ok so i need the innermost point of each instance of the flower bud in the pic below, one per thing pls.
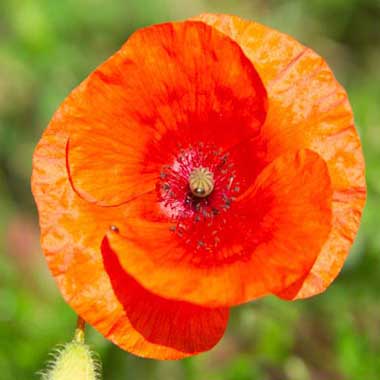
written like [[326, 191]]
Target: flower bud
[[74, 361]]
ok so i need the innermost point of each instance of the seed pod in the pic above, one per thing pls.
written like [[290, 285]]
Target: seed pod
[[201, 182]]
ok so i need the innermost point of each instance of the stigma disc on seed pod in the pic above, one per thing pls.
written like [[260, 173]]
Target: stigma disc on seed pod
[[201, 182]]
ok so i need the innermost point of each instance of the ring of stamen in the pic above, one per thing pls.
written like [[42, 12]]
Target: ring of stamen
[[201, 182]]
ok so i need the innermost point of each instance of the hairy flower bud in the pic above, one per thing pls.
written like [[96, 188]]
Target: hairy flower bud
[[74, 361]]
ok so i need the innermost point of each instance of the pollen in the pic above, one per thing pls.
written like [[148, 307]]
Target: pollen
[[201, 182]]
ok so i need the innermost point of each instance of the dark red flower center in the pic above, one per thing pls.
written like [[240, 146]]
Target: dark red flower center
[[195, 191]]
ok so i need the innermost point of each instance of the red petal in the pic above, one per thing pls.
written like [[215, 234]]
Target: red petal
[[185, 327], [156, 93], [71, 236], [308, 109], [271, 238]]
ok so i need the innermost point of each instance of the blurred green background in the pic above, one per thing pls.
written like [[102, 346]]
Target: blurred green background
[[46, 48]]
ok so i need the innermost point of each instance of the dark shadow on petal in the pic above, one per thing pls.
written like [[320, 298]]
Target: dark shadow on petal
[[291, 292]]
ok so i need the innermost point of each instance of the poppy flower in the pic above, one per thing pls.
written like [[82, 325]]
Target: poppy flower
[[205, 164]]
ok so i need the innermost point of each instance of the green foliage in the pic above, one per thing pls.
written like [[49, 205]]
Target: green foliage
[[46, 48]]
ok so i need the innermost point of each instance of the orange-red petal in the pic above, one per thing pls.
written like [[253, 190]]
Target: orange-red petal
[[308, 109], [170, 84], [182, 326], [71, 236], [271, 237]]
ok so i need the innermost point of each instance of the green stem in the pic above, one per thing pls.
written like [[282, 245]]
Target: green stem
[[80, 330]]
